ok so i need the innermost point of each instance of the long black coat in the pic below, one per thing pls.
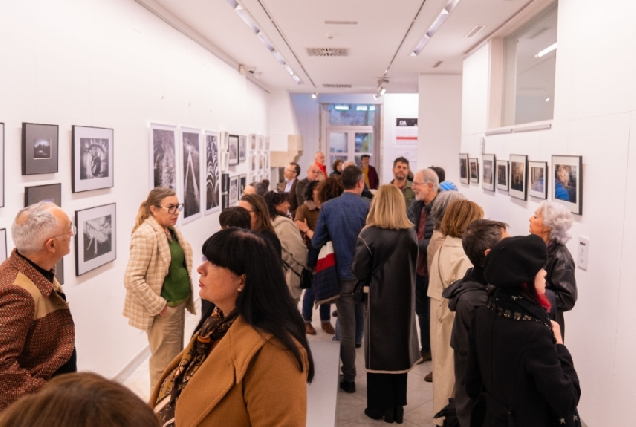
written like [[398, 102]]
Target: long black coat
[[519, 364], [560, 283], [391, 344]]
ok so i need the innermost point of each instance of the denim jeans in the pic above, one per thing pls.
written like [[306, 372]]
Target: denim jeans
[[422, 308], [347, 318], [359, 326], [308, 307]]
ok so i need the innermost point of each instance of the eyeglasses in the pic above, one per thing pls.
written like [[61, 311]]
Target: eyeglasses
[[173, 208], [71, 232]]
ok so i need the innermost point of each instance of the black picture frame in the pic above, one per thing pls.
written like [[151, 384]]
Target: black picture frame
[[190, 182], [163, 156], [518, 186], [539, 177], [473, 166], [39, 148], [233, 150], [242, 183], [464, 175], [96, 238], [503, 173], [488, 169], [93, 158], [212, 173], [567, 187]]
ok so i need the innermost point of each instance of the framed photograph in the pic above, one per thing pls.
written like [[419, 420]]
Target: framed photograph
[[538, 179], [92, 158], [568, 182], [225, 183], [191, 178], [242, 183], [474, 170], [223, 141], [95, 243], [502, 175], [42, 193], [463, 168], [254, 161], [225, 201], [234, 190], [212, 172], [39, 148], [242, 148], [488, 172], [233, 150], [3, 245], [261, 162], [267, 143], [518, 176], [252, 142], [163, 156]]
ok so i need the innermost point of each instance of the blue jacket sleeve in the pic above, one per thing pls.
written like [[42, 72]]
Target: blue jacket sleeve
[[321, 233]]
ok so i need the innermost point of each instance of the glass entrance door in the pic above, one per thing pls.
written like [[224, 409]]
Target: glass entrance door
[[350, 143]]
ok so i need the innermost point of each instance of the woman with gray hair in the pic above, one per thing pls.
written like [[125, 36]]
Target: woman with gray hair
[[440, 204], [551, 221]]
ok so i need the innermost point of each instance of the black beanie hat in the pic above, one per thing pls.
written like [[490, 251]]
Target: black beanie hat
[[515, 260]]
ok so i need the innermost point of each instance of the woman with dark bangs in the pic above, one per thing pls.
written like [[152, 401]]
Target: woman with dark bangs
[[518, 367], [252, 346]]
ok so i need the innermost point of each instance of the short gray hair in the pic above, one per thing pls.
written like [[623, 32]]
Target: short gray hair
[[38, 224], [429, 175], [441, 203], [558, 218]]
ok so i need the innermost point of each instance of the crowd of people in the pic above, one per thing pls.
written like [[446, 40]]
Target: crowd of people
[[412, 254]]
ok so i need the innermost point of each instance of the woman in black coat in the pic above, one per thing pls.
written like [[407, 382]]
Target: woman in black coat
[[386, 254], [518, 366]]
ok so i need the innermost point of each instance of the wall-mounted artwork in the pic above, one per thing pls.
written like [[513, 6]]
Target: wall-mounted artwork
[[261, 142], [39, 148], [163, 156], [234, 190], [242, 148], [502, 175], [95, 241], [191, 178], [225, 201], [538, 179], [518, 176], [267, 143], [233, 149], [3, 245], [253, 162], [92, 158], [568, 182], [261, 162], [473, 165], [252, 142], [463, 168], [212, 174], [242, 184], [488, 172]]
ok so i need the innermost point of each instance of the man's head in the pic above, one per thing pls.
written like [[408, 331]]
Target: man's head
[[364, 160], [352, 179], [441, 173], [235, 216], [425, 185], [480, 236], [400, 168], [314, 172], [320, 158], [43, 231], [292, 171]]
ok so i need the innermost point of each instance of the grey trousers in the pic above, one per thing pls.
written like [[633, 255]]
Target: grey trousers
[[347, 318], [166, 341]]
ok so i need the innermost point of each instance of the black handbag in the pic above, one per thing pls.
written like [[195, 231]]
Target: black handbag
[[306, 279]]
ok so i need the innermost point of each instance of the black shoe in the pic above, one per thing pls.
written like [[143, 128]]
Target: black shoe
[[374, 414], [399, 414], [348, 386], [358, 345], [389, 416], [334, 313]]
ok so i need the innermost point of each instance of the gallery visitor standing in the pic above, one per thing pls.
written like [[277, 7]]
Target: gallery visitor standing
[[157, 279]]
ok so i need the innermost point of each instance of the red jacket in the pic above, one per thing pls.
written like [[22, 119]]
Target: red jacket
[[374, 181]]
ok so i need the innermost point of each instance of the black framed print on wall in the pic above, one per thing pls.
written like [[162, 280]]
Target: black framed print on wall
[[39, 148], [93, 158]]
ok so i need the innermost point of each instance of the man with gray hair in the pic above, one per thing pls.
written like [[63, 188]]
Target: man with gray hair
[[425, 187], [37, 333]]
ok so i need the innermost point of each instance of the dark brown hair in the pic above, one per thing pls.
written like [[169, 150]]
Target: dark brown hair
[[80, 400], [259, 207], [274, 199], [458, 215], [235, 216], [329, 188]]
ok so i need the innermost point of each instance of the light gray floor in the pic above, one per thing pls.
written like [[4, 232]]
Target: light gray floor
[[349, 407]]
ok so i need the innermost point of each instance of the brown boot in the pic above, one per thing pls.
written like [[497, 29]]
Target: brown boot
[[309, 330], [326, 326]]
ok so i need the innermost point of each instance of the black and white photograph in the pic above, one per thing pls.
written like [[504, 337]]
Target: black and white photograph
[[92, 158], [253, 162], [39, 148], [538, 180], [568, 182], [212, 177], [252, 142], [43, 193], [1, 164], [225, 183], [163, 156], [225, 201], [266, 142], [463, 168], [261, 162], [234, 190], [261, 142], [502, 175], [488, 172], [233, 150], [3, 244], [191, 179], [474, 170], [242, 148], [242, 184], [518, 176], [95, 241]]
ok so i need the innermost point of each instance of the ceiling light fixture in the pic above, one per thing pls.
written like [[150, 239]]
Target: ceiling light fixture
[[437, 23], [546, 51], [249, 21]]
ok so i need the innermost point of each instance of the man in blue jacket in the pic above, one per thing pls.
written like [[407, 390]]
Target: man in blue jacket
[[340, 221]]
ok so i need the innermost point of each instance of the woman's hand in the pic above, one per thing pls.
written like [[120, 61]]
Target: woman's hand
[[302, 225], [556, 329], [164, 311]]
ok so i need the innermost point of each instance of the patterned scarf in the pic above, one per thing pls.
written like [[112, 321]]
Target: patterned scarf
[[213, 329]]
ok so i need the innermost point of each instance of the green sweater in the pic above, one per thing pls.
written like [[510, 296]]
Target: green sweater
[[176, 286]]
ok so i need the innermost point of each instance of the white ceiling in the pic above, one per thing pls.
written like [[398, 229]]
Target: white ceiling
[[372, 43]]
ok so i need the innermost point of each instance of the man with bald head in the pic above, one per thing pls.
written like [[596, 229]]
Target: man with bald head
[[37, 333], [313, 174], [319, 160]]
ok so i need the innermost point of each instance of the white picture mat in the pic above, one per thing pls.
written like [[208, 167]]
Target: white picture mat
[[473, 161], [154, 126], [485, 158], [577, 161], [518, 194], [181, 176], [507, 165], [546, 180], [86, 215], [462, 157], [94, 183], [204, 160]]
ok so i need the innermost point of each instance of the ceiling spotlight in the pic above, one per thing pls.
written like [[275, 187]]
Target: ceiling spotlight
[[314, 95], [375, 96], [382, 91]]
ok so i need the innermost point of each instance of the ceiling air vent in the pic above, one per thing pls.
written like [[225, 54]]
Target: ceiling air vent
[[327, 51], [337, 85]]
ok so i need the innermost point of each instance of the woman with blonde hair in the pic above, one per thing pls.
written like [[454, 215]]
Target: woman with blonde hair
[[449, 265], [385, 258], [157, 279]]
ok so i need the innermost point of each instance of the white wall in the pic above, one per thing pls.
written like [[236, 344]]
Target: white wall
[[440, 122], [595, 116], [397, 105], [282, 119], [110, 63]]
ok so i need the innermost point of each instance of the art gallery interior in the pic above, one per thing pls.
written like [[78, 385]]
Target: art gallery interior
[[127, 64]]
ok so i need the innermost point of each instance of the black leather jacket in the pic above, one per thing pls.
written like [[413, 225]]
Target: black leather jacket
[[560, 282]]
